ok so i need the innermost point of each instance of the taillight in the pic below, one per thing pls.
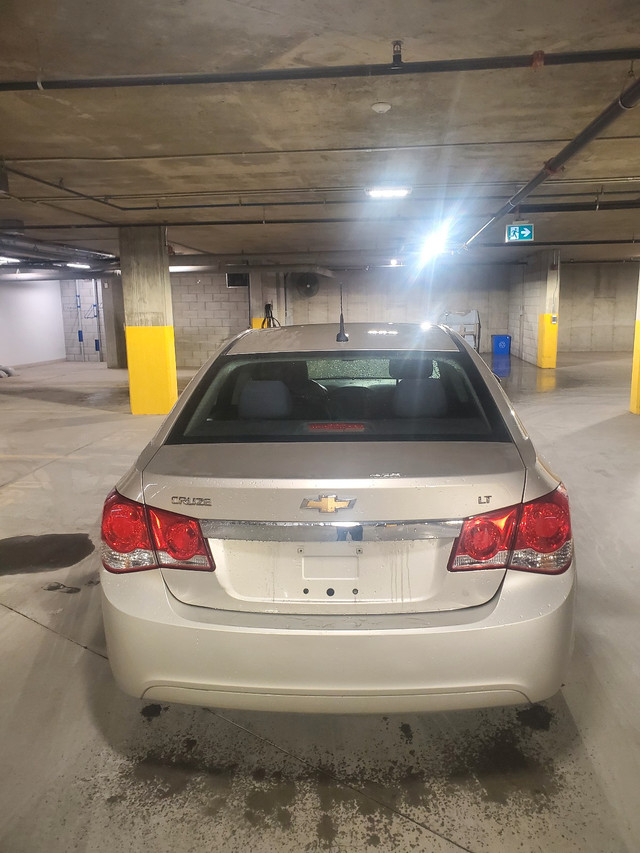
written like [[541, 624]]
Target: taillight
[[544, 542], [135, 538], [179, 541], [531, 537], [485, 541]]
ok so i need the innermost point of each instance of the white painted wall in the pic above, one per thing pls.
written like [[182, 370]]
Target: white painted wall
[[597, 307], [31, 329]]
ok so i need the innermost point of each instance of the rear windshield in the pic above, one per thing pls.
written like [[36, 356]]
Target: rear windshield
[[364, 396]]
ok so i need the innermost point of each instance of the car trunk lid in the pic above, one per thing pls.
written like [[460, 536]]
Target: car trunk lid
[[290, 532]]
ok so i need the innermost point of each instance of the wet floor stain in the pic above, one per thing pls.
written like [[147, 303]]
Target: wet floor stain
[[61, 587], [20, 554], [150, 712], [167, 773], [407, 733], [501, 763], [536, 717], [504, 765]]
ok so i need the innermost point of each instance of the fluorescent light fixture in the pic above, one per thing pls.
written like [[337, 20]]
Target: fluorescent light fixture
[[182, 269], [388, 192], [435, 244], [78, 266], [4, 260]]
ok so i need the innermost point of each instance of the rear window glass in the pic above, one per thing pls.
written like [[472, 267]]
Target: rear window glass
[[364, 396]]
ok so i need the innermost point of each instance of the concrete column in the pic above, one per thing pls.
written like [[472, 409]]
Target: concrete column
[[113, 313], [548, 319], [634, 405], [256, 304], [151, 353]]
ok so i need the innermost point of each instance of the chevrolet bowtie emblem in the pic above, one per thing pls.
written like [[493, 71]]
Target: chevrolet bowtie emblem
[[327, 503]]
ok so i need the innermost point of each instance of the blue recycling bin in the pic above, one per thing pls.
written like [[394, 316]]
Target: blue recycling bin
[[501, 344]]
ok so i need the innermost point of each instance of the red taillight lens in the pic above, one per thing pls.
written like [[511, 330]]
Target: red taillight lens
[[136, 537], [125, 535], [485, 541], [179, 541], [532, 537], [544, 542]]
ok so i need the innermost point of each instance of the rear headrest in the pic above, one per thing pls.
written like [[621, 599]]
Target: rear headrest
[[265, 399], [419, 398], [293, 373], [410, 368]]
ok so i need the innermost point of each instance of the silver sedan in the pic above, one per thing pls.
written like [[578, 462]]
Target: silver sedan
[[328, 525]]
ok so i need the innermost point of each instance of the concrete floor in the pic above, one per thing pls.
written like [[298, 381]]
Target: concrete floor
[[86, 768]]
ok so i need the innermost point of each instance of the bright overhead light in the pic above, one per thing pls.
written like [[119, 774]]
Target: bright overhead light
[[435, 244], [4, 260], [388, 192], [394, 262], [182, 269], [381, 107], [78, 266]]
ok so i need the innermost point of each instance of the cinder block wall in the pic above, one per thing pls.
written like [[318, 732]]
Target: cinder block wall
[[83, 318], [597, 307], [205, 313], [527, 299], [394, 295]]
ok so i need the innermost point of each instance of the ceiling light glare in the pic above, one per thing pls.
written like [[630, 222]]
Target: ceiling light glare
[[435, 244], [388, 192], [4, 260], [78, 266], [381, 107], [425, 326], [394, 262]]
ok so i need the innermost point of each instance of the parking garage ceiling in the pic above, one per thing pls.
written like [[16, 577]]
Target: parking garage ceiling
[[288, 111]]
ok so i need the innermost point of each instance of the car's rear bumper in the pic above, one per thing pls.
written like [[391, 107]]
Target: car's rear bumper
[[511, 650]]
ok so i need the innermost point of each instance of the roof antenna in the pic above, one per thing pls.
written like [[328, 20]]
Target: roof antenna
[[342, 337]]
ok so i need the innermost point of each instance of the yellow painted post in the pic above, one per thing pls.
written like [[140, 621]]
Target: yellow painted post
[[634, 405], [151, 353], [547, 340]]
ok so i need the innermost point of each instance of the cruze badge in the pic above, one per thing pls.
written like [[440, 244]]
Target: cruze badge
[[327, 503], [179, 499]]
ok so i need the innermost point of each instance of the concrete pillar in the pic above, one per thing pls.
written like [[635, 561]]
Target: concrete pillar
[[548, 319], [113, 313], [148, 312], [634, 405], [256, 304]]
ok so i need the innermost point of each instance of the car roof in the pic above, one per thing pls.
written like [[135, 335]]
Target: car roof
[[321, 337]]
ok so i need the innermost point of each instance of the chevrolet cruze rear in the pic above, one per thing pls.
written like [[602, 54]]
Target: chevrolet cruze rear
[[355, 526]]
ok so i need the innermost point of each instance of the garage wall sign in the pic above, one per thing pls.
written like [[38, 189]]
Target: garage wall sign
[[522, 232]]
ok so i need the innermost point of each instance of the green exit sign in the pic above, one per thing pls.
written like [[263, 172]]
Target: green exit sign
[[522, 232]]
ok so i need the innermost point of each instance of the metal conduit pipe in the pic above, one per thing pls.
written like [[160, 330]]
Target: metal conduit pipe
[[627, 101], [541, 207], [395, 68], [10, 245]]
